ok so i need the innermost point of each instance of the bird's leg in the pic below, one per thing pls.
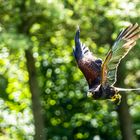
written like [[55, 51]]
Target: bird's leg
[[109, 92], [116, 98]]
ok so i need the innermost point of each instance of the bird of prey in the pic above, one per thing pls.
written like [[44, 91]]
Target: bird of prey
[[101, 75]]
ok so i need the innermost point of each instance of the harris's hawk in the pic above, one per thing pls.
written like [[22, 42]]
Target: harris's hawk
[[101, 75]]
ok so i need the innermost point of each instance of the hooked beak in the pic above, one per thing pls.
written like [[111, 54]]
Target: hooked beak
[[89, 94]]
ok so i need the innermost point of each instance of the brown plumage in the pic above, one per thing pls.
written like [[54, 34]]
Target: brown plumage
[[88, 64]]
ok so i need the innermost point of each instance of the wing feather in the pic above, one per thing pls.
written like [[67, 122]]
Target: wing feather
[[123, 44], [88, 64]]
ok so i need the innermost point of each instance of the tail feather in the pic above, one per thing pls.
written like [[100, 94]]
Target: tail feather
[[127, 89]]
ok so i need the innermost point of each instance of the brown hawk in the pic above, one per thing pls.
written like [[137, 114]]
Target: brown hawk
[[101, 75]]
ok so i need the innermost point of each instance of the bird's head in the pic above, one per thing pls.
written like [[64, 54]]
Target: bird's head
[[94, 92], [100, 93]]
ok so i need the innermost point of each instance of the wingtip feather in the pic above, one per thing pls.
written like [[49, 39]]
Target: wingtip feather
[[78, 28], [77, 35]]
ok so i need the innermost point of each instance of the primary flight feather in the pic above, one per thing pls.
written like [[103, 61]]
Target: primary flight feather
[[101, 76]]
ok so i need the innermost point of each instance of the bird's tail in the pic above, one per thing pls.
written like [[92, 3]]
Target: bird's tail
[[127, 89]]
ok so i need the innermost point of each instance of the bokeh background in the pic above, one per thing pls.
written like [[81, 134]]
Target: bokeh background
[[42, 91]]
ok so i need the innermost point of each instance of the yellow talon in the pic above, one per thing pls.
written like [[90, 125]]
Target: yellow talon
[[116, 98]]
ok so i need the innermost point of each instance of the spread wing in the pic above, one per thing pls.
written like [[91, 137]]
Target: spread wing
[[123, 44], [88, 64]]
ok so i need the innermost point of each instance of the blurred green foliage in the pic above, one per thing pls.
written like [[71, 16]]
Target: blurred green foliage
[[51, 27]]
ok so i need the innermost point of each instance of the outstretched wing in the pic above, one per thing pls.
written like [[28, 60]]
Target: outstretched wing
[[88, 64], [123, 44]]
